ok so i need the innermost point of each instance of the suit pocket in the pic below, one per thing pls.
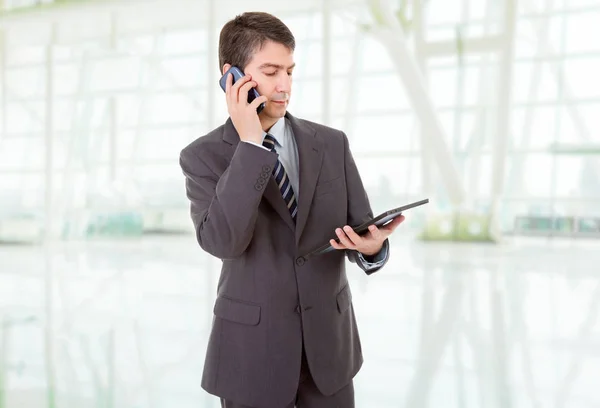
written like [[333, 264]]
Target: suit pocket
[[237, 311], [328, 186], [344, 299]]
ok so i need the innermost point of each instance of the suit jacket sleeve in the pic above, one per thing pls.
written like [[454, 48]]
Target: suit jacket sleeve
[[224, 208], [359, 211]]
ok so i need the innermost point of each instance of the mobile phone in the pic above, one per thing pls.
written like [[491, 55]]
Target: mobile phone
[[237, 74]]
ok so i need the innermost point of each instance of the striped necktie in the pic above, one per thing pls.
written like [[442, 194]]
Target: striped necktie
[[282, 180]]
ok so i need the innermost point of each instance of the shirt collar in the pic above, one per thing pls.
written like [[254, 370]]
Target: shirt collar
[[278, 131]]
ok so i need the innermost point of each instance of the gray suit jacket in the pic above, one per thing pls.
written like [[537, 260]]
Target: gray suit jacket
[[270, 297]]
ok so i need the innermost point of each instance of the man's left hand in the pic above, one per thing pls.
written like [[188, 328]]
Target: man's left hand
[[368, 244]]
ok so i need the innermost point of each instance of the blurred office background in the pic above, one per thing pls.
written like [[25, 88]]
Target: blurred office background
[[489, 108]]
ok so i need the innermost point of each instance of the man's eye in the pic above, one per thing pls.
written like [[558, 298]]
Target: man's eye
[[270, 73]]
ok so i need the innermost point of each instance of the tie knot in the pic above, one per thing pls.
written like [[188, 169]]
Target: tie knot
[[269, 142]]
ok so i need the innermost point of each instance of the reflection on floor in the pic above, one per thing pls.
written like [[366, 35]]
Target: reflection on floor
[[124, 324]]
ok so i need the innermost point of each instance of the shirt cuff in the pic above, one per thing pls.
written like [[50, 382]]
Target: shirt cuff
[[255, 144], [376, 260]]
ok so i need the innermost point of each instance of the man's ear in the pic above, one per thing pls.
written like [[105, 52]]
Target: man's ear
[[226, 68]]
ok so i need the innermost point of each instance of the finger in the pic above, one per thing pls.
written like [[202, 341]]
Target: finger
[[353, 236], [228, 85], [344, 239], [238, 84], [254, 104], [334, 244], [243, 93], [376, 232]]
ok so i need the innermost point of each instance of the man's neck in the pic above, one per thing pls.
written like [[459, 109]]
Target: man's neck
[[267, 123]]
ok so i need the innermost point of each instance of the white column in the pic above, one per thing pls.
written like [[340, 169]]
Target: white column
[[112, 112], [211, 66], [48, 137], [354, 71], [427, 161], [500, 145], [49, 226], [478, 134], [326, 61], [112, 139], [3, 82]]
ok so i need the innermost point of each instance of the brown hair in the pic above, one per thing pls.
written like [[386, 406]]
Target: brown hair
[[247, 33]]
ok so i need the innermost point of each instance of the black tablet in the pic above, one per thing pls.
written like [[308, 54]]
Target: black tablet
[[381, 220]]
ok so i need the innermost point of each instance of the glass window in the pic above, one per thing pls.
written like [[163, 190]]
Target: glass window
[[175, 73], [173, 108], [24, 117], [25, 54], [534, 127], [579, 74], [183, 42], [114, 74], [384, 133], [580, 29], [438, 12], [534, 81], [442, 86], [375, 57], [26, 82], [533, 178], [380, 92]]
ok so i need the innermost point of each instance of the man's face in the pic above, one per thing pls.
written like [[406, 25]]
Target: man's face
[[271, 68]]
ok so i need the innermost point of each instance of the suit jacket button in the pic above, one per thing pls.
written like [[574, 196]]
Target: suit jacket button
[[261, 181], [258, 186], [300, 261], [266, 169], [265, 175]]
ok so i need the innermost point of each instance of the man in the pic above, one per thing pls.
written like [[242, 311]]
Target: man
[[265, 190]]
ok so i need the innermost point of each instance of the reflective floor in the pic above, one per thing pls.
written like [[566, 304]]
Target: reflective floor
[[124, 324]]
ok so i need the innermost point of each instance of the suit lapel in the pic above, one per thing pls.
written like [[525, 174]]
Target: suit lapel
[[310, 156], [271, 194]]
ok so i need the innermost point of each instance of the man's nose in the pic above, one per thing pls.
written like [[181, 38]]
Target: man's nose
[[284, 83]]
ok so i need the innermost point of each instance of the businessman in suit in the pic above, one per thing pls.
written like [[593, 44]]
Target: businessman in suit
[[265, 190]]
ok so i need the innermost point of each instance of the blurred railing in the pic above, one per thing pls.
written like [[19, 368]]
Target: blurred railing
[[569, 226]]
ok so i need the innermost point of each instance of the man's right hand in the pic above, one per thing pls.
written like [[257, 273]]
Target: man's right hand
[[243, 114]]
